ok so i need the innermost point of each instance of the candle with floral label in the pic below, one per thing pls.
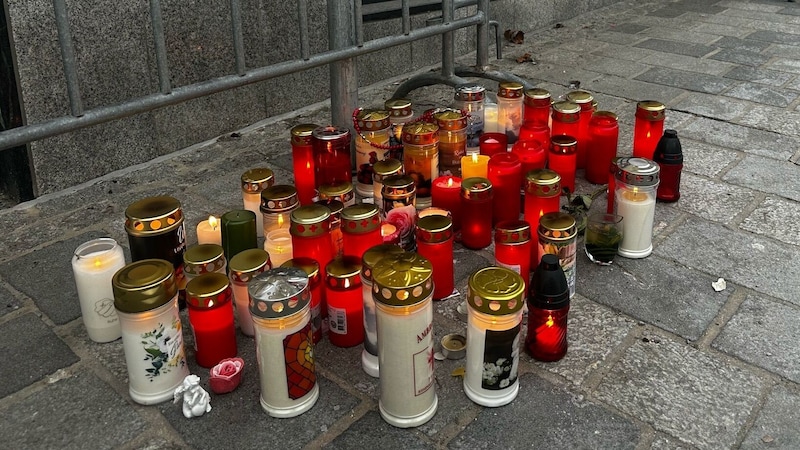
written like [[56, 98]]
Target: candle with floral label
[[253, 182], [399, 198], [243, 268], [94, 263]]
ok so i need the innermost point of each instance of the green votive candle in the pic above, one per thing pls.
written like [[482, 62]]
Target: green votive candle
[[238, 232]]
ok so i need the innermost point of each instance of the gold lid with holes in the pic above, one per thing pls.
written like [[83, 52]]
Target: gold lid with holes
[[144, 285], [557, 226], [434, 229], [496, 291], [543, 183], [398, 107], [153, 215], [420, 133], [278, 198], [372, 120], [373, 255], [279, 293], [256, 180], [207, 291], [510, 89], [651, 110], [563, 144], [247, 264], [566, 111], [402, 279], [581, 98], [450, 119], [202, 258], [512, 232]]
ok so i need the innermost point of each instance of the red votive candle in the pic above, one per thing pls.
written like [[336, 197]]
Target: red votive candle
[[566, 119], [476, 212], [491, 143], [208, 297], [331, 147], [512, 247], [303, 162], [311, 268], [603, 140], [532, 155], [435, 242], [345, 303], [311, 236], [446, 194], [536, 108], [586, 101], [562, 159], [505, 174], [361, 229], [648, 127], [542, 195], [548, 307]]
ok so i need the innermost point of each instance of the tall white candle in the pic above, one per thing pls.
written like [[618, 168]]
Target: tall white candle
[[637, 208], [279, 246], [209, 231], [93, 265], [490, 118]]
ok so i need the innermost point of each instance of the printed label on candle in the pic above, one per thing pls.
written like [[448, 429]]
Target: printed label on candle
[[163, 349], [337, 320], [423, 370], [301, 376], [500, 358]]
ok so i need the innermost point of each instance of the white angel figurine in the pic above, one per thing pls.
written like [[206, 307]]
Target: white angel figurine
[[196, 400]]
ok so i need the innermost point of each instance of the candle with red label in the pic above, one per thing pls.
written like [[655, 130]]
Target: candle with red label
[[512, 247], [361, 229], [505, 174], [548, 307], [474, 165], [491, 143], [303, 162], [208, 297], [532, 155], [542, 195], [345, 303], [435, 242], [603, 138], [586, 102], [476, 213], [447, 195], [648, 127], [562, 159]]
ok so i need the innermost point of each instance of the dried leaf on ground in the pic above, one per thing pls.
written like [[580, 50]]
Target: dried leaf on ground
[[514, 36], [524, 58]]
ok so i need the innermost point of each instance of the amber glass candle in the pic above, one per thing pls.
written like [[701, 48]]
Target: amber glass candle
[[566, 118], [303, 162], [211, 316], [512, 247], [331, 146], [562, 159], [505, 174], [648, 127], [542, 195], [603, 139], [536, 107], [435, 242], [421, 158], [311, 237], [345, 304], [586, 102], [476, 213], [452, 141], [361, 229], [447, 195]]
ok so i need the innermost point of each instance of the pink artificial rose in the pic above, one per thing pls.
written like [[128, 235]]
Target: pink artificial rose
[[226, 376], [403, 218]]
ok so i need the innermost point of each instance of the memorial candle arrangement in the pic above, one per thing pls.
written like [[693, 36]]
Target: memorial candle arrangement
[[238, 232], [209, 232], [542, 196], [331, 146], [303, 162], [421, 158], [344, 300], [211, 317], [446, 194], [317, 290], [94, 264], [585, 101], [435, 243], [470, 99], [558, 233], [369, 356], [648, 127], [243, 268], [505, 174], [635, 200], [372, 145], [476, 213], [562, 159], [509, 109], [311, 237], [277, 202], [602, 149], [361, 229], [253, 182], [548, 307]]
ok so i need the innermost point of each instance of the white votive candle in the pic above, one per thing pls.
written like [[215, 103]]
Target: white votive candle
[[209, 231], [637, 209], [279, 246], [93, 265]]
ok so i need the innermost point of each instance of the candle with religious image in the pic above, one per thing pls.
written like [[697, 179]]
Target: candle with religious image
[[399, 199], [509, 109], [243, 268], [253, 182], [94, 263], [303, 162], [372, 145], [401, 112], [435, 242], [558, 235], [470, 99], [208, 297], [635, 200], [421, 158], [548, 307]]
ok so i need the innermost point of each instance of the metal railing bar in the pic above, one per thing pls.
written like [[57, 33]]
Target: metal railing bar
[[302, 14], [482, 50], [406, 5], [358, 22], [68, 57], [448, 43], [238, 40], [53, 127], [160, 46]]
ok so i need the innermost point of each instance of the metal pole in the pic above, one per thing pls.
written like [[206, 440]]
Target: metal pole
[[482, 58], [344, 79], [448, 45], [161, 47], [68, 57], [238, 40]]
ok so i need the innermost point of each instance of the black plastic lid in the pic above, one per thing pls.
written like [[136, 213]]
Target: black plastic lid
[[668, 149], [548, 288]]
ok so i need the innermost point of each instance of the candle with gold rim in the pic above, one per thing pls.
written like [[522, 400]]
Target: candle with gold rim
[[361, 229], [585, 101], [509, 109], [243, 268], [311, 237], [476, 213], [648, 127], [557, 235], [303, 162], [435, 242], [253, 182], [277, 202], [542, 195], [208, 297], [372, 145], [345, 304], [421, 158], [446, 194]]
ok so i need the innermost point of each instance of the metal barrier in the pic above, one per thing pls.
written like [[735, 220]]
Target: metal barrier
[[346, 42]]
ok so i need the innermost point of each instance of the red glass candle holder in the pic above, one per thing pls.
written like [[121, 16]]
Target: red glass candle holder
[[548, 307], [505, 174], [208, 297], [648, 127], [512, 247], [603, 138], [586, 102], [562, 159], [361, 229], [332, 163], [532, 155], [303, 162], [311, 268], [435, 242], [311, 236], [491, 143], [345, 304], [446, 194], [542, 195], [476, 213], [566, 117], [536, 108], [536, 132]]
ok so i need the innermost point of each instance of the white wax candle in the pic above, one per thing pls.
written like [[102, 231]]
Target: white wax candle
[[490, 118], [93, 265], [275, 221], [499, 373], [279, 246], [209, 231], [637, 209], [252, 202]]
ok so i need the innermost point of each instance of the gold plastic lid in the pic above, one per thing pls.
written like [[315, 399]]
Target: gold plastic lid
[[537, 97], [476, 188], [450, 120], [310, 221], [510, 89], [279, 293], [566, 111], [278, 198], [207, 291], [397, 186], [496, 291], [512, 232], [373, 119], [543, 183], [557, 226], [604, 116], [203, 258], [301, 134], [398, 107], [386, 167], [420, 133], [256, 180], [470, 92], [582, 98], [247, 264], [402, 279], [651, 110], [334, 205], [373, 255], [144, 285], [563, 144], [360, 218], [335, 190], [153, 215], [330, 133], [343, 272], [307, 265], [434, 229]]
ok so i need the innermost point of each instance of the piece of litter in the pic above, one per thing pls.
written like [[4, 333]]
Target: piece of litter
[[719, 285], [439, 356], [458, 372]]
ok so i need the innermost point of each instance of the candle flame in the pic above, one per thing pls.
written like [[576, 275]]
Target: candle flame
[[549, 321], [280, 220], [449, 181], [475, 158], [213, 222], [308, 165], [387, 229], [97, 262]]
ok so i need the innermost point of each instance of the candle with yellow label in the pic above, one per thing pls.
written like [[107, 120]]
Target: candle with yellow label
[[209, 232], [474, 165]]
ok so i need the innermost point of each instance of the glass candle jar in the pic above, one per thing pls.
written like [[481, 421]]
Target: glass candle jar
[[509, 109], [254, 181], [612, 177], [469, 98], [303, 162], [490, 117], [494, 321], [243, 268], [369, 356], [372, 145], [277, 202], [311, 234], [332, 163], [532, 155], [337, 237], [548, 307], [602, 148], [381, 170], [635, 200], [586, 102], [565, 119], [558, 234], [211, 317], [146, 300], [512, 247], [562, 159], [421, 158], [361, 229], [446, 194], [648, 127], [536, 108], [403, 291], [94, 263], [238, 232], [492, 142], [669, 157], [203, 258], [452, 141], [536, 132], [505, 174], [278, 243], [542, 196], [476, 213], [344, 298], [399, 198], [279, 305], [311, 268], [342, 192], [401, 112], [435, 243]]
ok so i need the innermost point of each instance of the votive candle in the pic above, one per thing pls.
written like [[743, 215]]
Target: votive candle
[[474, 165], [476, 213], [209, 231], [253, 182], [435, 242], [505, 174], [648, 127], [94, 264], [562, 159], [446, 194]]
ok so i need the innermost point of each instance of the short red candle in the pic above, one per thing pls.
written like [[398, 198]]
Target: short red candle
[[505, 174], [532, 154], [562, 159], [648, 128], [547, 333], [491, 143], [345, 302], [311, 236], [476, 213], [536, 108], [361, 229], [331, 146], [446, 194], [542, 195], [512, 247], [303, 162], [603, 139], [311, 268], [566, 118], [435, 242], [208, 298], [586, 102]]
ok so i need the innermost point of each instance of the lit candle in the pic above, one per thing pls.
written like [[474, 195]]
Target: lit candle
[[435, 242], [277, 202], [279, 246], [512, 247], [536, 108], [475, 165], [390, 234], [542, 195], [209, 232], [344, 301], [211, 316], [532, 155], [490, 118], [603, 139], [505, 174], [93, 265], [586, 102], [253, 182], [447, 195], [476, 213], [509, 109], [361, 229], [491, 143], [548, 307], [303, 162], [243, 268], [648, 128], [563, 159], [635, 200], [311, 268]]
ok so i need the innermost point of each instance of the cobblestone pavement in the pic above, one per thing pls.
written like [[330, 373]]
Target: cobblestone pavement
[[657, 358]]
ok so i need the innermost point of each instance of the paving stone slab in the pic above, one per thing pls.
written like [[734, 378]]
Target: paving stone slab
[[681, 391], [705, 159], [629, 28], [774, 36], [79, 412], [712, 106], [614, 37], [738, 137], [739, 56], [682, 34], [712, 200], [634, 89], [776, 424], [784, 65], [9, 302], [546, 416], [788, 51], [371, 431], [746, 6], [774, 119], [624, 52], [680, 48], [687, 63], [732, 21], [669, 12], [719, 29], [756, 262], [691, 81], [614, 66], [768, 175], [777, 218], [737, 43], [29, 351], [763, 332], [758, 75]]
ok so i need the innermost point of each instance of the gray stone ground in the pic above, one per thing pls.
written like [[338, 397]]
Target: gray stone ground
[[657, 358]]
